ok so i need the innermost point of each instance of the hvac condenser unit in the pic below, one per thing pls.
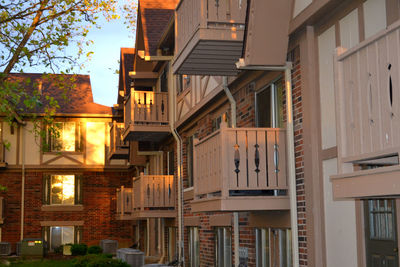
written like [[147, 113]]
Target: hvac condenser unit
[[134, 257], [5, 248], [109, 246]]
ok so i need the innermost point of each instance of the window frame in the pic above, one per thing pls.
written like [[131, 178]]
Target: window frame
[[190, 160], [77, 234], [274, 104], [48, 140], [194, 246], [266, 245], [226, 234], [78, 190]]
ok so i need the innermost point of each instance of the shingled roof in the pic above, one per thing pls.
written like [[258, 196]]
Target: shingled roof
[[72, 92], [155, 15]]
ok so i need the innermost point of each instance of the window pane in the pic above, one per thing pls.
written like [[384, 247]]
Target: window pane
[[55, 237], [63, 189], [68, 234], [263, 108], [68, 137]]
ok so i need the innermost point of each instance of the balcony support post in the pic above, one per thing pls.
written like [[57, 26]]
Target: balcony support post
[[235, 214]]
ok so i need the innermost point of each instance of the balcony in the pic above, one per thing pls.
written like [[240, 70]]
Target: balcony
[[209, 36], [152, 196], [367, 85], [146, 116], [241, 169], [3, 163], [118, 148]]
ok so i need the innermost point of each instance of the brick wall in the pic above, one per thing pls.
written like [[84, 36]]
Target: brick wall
[[99, 201]]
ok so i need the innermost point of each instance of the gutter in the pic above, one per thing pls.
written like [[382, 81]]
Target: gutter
[[23, 179], [289, 149]]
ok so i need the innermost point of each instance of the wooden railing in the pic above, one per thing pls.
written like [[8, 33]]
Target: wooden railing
[[116, 138], [194, 14], [146, 108], [124, 201], [152, 192], [240, 161], [367, 85]]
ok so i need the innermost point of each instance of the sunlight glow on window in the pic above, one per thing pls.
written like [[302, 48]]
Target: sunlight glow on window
[[63, 189]]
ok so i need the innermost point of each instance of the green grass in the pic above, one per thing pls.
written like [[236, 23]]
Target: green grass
[[40, 263]]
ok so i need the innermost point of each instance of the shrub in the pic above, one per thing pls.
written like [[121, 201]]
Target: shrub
[[58, 250], [94, 250], [78, 249], [93, 260]]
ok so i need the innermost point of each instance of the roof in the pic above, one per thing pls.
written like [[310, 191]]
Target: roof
[[73, 92], [155, 15], [127, 56]]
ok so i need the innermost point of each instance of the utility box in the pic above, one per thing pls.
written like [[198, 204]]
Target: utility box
[[134, 257], [109, 246], [32, 247]]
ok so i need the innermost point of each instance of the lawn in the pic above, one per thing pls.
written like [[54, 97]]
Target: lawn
[[40, 263]]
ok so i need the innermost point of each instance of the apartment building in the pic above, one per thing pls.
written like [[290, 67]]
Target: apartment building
[[282, 122], [61, 186]]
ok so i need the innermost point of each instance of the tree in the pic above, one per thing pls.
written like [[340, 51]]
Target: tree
[[36, 33]]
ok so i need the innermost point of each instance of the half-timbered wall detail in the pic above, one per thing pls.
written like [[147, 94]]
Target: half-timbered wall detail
[[200, 90]]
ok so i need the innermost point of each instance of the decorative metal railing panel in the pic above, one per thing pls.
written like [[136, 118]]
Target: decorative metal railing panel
[[368, 97], [240, 161], [153, 192], [146, 108]]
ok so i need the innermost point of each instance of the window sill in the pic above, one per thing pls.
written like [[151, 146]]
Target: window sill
[[62, 208], [63, 153]]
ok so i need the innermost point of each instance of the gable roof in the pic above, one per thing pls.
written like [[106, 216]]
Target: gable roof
[[155, 16], [72, 92]]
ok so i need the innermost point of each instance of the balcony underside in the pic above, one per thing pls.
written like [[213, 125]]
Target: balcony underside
[[210, 52], [380, 182], [144, 214], [120, 153], [146, 132], [241, 204]]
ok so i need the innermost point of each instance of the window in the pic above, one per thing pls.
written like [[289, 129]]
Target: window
[[183, 82], [273, 247], [269, 105], [62, 190], [164, 80], [223, 246], [64, 136], [189, 160], [194, 247], [61, 235]]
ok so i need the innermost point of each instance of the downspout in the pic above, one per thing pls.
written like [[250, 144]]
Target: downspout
[[289, 151], [23, 182], [235, 214], [178, 139]]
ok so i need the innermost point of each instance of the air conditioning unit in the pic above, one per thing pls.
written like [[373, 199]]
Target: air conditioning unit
[[134, 257], [109, 246], [5, 248]]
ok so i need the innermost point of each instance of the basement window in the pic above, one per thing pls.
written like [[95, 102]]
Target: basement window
[[273, 247], [223, 246]]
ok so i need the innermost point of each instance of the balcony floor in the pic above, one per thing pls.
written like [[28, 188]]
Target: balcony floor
[[121, 153], [146, 132], [208, 57], [144, 214], [241, 204]]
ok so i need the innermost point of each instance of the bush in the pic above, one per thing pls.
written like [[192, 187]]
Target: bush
[[93, 260], [94, 250], [78, 249], [58, 250]]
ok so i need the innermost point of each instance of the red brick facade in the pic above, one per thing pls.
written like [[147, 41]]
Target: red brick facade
[[98, 215]]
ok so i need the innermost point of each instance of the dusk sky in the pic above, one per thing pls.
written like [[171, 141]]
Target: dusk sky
[[104, 62]]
